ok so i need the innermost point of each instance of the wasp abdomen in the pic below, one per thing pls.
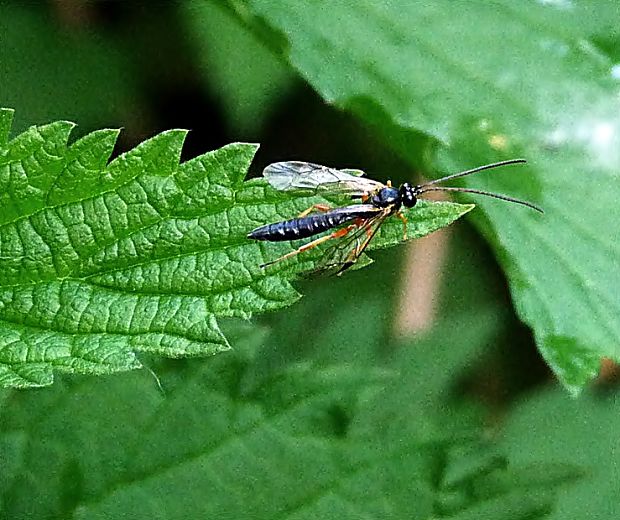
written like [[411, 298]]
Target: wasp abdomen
[[302, 227]]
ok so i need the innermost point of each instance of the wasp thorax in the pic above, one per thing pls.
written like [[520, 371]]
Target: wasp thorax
[[408, 195], [385, 197]]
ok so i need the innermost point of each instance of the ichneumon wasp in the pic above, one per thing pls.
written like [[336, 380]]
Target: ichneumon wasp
[[363, 220]]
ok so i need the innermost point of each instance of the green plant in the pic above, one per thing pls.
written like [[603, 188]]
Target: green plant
[[100, 260], [327, 407], [475, 108]]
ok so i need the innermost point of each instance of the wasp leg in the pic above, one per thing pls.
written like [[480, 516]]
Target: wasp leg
[[317, 207], [361, 224], [404, 219], [336, 234], [359, 246]]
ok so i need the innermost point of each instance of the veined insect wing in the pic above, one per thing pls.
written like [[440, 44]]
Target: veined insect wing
[[302, 176], [353, 171]]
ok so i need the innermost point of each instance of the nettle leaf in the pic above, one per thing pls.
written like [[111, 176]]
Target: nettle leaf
[[489, 81], [552, 426], [301, 442], [100, 260]]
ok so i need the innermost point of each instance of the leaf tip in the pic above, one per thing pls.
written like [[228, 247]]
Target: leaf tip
[[466, 208], [573, 364]]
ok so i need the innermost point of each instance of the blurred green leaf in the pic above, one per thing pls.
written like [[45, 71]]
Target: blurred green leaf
[[417, 433], [247, 90], [551, 426], [99, 260], [491, 81], [302, 442], [49, 71], [12, 454], [421, 410]]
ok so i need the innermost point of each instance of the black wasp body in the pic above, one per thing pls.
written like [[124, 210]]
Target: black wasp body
[[358, 222], [387, 198], [310, 225]]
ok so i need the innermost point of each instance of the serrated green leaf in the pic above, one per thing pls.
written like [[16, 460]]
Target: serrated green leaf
[[98, 261], [488, 81]]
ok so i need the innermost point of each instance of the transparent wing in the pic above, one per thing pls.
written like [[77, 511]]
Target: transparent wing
[[342, 255], [297, 175]]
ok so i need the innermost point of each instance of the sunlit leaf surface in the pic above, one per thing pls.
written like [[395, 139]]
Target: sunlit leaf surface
[[98, 260]]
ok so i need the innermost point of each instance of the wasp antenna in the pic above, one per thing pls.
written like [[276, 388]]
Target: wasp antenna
[[474, 170], [481, 192]]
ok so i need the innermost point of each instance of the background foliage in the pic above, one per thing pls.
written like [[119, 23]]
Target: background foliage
[[339, 406]]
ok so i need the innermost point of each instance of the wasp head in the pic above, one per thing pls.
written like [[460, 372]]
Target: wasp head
[[408, 195]]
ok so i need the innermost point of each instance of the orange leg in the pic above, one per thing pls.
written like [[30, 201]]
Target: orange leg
[[359, 246], [404, 219], [336, 234], [317, 207]]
